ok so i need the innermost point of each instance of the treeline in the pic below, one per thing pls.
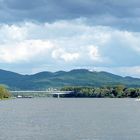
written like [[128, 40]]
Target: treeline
[[4, 93], [118, 91]]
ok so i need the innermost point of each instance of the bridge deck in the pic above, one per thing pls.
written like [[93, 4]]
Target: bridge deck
[[47, 92]]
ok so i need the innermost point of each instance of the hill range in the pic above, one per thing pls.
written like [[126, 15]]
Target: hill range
[[76, 77]]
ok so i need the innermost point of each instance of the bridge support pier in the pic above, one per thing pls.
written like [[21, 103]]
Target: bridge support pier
[[58, 95]]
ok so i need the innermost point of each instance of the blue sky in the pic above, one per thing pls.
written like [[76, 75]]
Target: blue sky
[[52, 35]]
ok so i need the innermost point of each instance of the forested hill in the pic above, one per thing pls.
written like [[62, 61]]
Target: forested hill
[[77, 77]]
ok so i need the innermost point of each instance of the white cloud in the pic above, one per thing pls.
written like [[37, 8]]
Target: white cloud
[[131, 71], [60, 54], [94, 53], [12, 33], [24, 51], [69, 44]]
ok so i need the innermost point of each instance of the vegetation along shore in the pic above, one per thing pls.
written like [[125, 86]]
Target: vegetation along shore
[[118, 91]]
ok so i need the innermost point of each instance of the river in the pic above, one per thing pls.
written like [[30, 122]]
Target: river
[[69, 119]]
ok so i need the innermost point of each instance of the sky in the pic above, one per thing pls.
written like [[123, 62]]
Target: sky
[[53, 35]]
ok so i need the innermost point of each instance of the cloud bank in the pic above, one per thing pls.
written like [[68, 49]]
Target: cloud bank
[[53, 35], [68, 44], [119, 14]]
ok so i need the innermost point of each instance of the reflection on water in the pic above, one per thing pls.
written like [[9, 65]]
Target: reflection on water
[[69, 119]]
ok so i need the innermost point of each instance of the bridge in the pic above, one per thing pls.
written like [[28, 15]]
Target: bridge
[[34, 92]]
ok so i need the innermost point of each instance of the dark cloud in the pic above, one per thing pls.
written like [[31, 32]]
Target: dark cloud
[[115, 13], [21, 5]]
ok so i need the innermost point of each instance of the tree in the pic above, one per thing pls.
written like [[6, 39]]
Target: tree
[[132, 92], [4, 93], [119, 91]]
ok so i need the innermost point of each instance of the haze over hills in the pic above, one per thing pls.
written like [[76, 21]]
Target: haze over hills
[[76, 77]]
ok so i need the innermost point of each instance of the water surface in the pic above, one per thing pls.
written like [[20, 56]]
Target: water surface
[[69, 119]]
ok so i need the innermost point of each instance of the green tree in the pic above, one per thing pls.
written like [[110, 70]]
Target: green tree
[[132, 92], [119, 91], [4, 93]]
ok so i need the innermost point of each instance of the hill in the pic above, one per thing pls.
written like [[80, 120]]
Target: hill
[[76, 77]]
